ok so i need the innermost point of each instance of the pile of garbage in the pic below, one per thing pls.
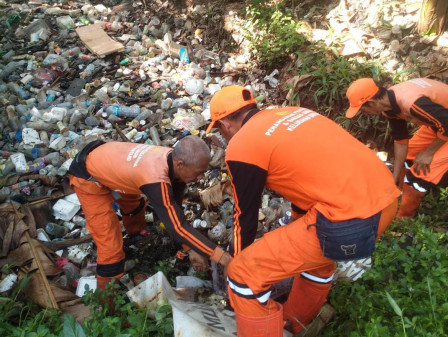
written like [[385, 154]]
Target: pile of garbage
[[385, 31], [75, 72]]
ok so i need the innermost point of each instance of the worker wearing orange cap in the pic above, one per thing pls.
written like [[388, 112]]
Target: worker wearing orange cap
[[346, 195], [421, 161], [104, 172]]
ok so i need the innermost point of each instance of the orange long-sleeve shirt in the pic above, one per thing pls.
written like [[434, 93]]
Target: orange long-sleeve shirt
[[309, 160], [144, 169]]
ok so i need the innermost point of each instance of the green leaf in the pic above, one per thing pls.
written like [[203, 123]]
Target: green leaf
[[394, 305], [72, 328]]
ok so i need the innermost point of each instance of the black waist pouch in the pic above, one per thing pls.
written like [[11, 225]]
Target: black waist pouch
[[78, 165], [347, 240]]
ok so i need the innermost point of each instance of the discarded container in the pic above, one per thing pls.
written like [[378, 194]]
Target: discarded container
[[88, 282], [19, 161], [55, 230], [123, 111], [65, 210], [8, 282]]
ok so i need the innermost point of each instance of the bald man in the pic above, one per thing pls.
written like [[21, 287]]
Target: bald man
[[104, 172]]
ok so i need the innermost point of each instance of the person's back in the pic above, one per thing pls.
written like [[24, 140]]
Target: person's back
[[313, 162], [128, 166], [407, 93]]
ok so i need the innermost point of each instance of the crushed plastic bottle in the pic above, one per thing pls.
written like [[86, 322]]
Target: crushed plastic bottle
[[123, 111]]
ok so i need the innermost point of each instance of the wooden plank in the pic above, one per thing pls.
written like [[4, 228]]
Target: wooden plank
[[97, 41]]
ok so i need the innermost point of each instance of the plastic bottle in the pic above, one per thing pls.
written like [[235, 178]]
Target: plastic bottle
[[35, 152], [143, 115], [113, 26], [40, 125], [6, 167], [36, 167], [51, 158], [71, 52], [8, 55], [75, 117], [55, 230], [91, 121], [11, 67], [131, 134], [13, 120], [154, 136], [62, 127], [53, 11], [23, 94], [4, 193], [88, 71], [43, 135], [142, 74], [123, 111], [5, 154], [72, 273], [166, 103]]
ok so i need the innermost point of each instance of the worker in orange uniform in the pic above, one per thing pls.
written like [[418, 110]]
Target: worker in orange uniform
[[104, 172], [346, 195], [421, 161]]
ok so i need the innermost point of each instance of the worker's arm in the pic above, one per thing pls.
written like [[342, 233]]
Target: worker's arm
[[436, 116], [247, 183], [400, 134], [161, 197], [400, 152]]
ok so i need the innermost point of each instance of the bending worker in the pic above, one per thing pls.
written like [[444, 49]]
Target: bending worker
[[104, 172], [422, 161], [346, 195]]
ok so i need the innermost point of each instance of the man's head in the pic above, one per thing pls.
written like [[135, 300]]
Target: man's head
[[365, 95], [228, 108], [190, 158]]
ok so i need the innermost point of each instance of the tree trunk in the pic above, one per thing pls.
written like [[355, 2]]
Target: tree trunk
[[433, 16]]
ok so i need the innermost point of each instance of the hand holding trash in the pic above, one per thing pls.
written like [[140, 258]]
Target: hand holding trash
[[199, 262]]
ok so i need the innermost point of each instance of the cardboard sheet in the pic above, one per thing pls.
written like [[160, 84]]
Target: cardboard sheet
[[97, 41]]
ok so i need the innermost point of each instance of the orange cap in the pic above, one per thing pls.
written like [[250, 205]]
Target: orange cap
[[227, 101], [358, 93]]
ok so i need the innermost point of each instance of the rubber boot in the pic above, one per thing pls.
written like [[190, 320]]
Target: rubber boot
[[304, 302], [107, 299], [410, 201], [268, 326], [321, 320]]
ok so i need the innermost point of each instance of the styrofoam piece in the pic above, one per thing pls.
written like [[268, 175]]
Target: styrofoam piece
[[73, 198], [89, 281], [149, 292], [8, 282], [30, 136], [65, 210], [190, 318]]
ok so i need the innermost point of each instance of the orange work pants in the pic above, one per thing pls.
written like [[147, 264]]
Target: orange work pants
[[289, 251], [102, 222], [439, 165]]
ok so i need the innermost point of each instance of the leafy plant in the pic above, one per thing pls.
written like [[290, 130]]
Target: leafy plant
[[410, 264], [272, 32], [112, 316]]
